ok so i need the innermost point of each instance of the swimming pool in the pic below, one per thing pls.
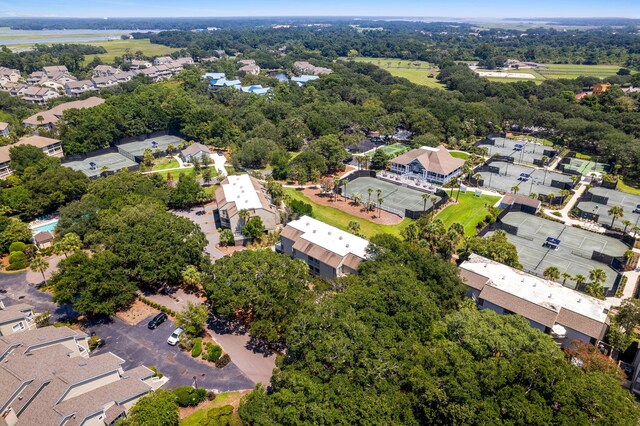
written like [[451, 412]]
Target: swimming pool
[[47, 227]]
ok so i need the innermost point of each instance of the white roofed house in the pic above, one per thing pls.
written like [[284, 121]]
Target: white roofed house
[[104, 71], [435, 165], [243, 192], [565, 314], [77, 88], [330, 252], [9, 75], [161, 60], [251, 69], [138, 64], [39, 95], [103, 82], [55, 69], [35, 77]]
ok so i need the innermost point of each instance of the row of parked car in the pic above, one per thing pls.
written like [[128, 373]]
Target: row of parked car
[[159, 319]]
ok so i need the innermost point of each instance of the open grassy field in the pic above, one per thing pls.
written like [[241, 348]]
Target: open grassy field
[[557, 71], [469, 211], [415, 71], [119, 47], [340, 219], [627, 188], [165, 163], [460, 154]]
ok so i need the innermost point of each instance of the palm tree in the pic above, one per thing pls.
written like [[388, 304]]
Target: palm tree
[[434, 200], [191, 276], [370, 190], [477, 178], [574, 179], [515, 189], [244, 215], [551, 273], [550, 197], [533, 195], [597, 276], [344, 188], [545, 160], [579, 279], [635, 230], [356, 198], [565, 193], [378, 192], [336, 187], [380, 206], [616, 212], [425, 198], [565, 277], [39, 264], [626, 223], [353, 227]]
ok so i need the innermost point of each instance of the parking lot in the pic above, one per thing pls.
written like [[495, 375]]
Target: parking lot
[[136, 344]]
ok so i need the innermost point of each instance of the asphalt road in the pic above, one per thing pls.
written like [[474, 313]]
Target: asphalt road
[[137, 345], [16, 289]]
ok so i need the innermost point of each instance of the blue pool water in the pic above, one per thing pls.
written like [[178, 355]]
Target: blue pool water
[[49, 227]]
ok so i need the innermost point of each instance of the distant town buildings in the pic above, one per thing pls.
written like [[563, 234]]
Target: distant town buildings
[[308, 68]]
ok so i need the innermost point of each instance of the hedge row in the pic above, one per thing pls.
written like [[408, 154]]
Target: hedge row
[[196, 350], [158, 306]]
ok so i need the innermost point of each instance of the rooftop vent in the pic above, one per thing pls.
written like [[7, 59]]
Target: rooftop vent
[[314, 231], [579, 300], [329, 232], [347, 246], [550, 295], [340, 237]]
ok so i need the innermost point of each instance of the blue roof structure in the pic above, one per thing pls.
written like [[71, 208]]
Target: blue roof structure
[[553, 241], [214, 75], [256, 88], [304, 79]]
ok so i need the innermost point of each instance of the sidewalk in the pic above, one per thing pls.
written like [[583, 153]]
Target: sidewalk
[[564, 212]]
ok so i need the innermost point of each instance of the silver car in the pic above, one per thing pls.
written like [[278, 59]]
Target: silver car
[[175, 336]]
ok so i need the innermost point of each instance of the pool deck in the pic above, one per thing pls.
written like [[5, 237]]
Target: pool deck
[[39, 223]]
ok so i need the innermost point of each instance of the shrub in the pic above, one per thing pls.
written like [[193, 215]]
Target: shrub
[[17, 260], [93, 342], [185, 342], [17, 246], [223, 361], [211, 395], [213, 352], [187, 396], [225, 410], [196, 351], [30, 250], [156, 373]]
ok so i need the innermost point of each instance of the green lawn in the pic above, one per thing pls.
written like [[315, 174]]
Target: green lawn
[[573, 71], [165, 163], [415, 71], [119, 47], [627, 188], [340, 219], [392, 150], [462, 155], [469, 211], [198, 417]]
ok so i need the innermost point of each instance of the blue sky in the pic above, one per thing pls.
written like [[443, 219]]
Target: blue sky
[[404, 8]]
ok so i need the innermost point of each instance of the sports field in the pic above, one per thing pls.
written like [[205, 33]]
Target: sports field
[[572, 256], [558, 71], [585, 167], [415, 71], [392, 150], [395, 198], [120, 47]]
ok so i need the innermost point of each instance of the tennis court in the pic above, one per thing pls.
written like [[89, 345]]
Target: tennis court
[[603, 199], [527, 179], [392, 150], [573, 255], [585, 167], [395, 198], [94, 166], [135, 150], [522, 151]]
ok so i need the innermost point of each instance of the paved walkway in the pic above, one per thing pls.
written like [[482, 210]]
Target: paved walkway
[[36, 277], [564, 212], [207, 225], [17, 289], [219, 162]]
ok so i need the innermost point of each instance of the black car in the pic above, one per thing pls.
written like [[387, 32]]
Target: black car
[[157, 320]]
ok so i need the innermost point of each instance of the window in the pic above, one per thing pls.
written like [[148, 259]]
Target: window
[[19, 326]]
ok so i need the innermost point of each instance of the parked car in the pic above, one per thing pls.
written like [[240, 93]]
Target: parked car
[[175, 336], [157, 320]]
